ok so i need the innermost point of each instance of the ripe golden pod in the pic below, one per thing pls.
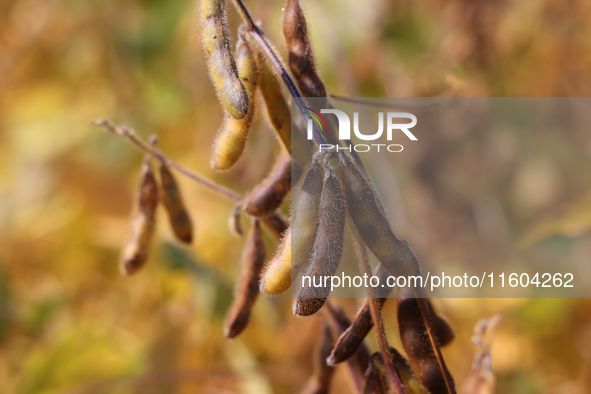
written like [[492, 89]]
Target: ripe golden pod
[[373, 225], [278, 275], [319, 382], [222, 67], [301, 56], [135, 252], [173, 202], [278, 111], [328, 246], [231, 138], [248, 288], [268, 196], [417, 345]]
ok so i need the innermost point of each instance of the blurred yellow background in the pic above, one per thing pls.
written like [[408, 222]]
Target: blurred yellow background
[[69, 323]]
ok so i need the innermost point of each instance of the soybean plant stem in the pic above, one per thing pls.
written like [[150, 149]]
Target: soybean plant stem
[[258, 35], [157, 154], [375, 307]]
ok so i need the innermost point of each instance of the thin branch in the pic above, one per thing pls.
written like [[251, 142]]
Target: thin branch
[[157, 154], [435, 344], [375, 314]]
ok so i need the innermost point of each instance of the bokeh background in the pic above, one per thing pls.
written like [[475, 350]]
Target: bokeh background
[[69, 323]]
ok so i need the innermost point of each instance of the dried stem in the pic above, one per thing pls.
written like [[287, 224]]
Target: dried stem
[[157, 154], [427, 319], [375, 314], [258, 35]]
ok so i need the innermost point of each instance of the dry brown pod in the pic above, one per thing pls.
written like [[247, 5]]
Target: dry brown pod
[[136, 250], [232, 136], [352, 338], [173, 202], [369, 219], [319, 382], [301, 57], [276, 224], [418, 347], [407, 377], [268, 196], [300, 236], [247, 290], [375, 381], [221, 64], [328, 244], [234, 221]]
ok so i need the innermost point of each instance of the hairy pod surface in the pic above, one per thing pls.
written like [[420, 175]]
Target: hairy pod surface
[[173, 202], [373, 225], [268, 196], [136, 250], [362, 354], [352, 338], [222, 67], [248, 288], [405, 373], [297, 243], [319, 382], [231, 138], [301, 56], [417, 345], [328, 245]]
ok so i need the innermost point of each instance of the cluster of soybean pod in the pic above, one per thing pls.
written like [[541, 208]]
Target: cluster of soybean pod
[[336, 192]]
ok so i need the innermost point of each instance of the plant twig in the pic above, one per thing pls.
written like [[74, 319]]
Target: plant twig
[[375, 314], [435, 344], [157, 154]]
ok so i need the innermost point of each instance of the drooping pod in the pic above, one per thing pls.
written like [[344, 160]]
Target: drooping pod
[[268, 196], [418, 347], [319, 382], [328, 244], [234, 221], [222, 67], [300, 236], [136, 250], [372, 224], [173, 202], [231, 138], [248, 288], [352, 338], [276, 224], [301, 57]]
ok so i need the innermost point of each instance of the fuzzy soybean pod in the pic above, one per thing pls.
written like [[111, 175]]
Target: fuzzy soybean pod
[[297, 242], [417, 345], [328, 245], [173, 202], [319, 382], [373, 225], [222, 67], [136, 250], [248, 288], [268, 196], [231, 138], [278, 111], [301, 56]]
